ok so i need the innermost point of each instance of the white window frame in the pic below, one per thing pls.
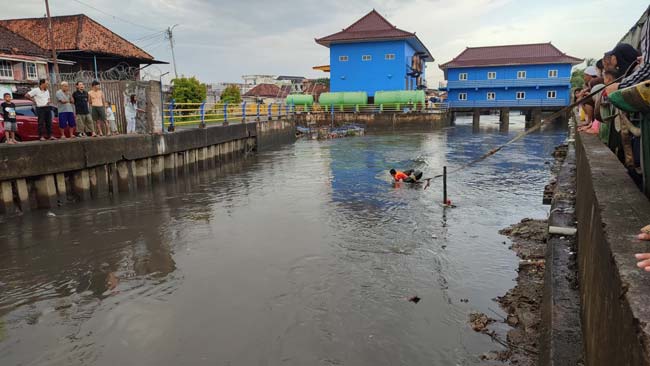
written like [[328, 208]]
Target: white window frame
[[6, 69], [344, 58], [491, 94], [29, 75], [366, 58], [520, 95], [491, 75], [521, 74], [551, 94], [552, 73], [462, 76], [462, 96], [389, 56]]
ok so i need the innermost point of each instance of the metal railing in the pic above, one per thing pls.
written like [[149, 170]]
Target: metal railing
[[504, 83], [203, 114], [559, 102]]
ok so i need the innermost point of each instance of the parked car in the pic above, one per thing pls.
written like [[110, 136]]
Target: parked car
[[28, 122]]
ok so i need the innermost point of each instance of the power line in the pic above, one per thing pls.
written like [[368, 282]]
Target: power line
[[114, 16]]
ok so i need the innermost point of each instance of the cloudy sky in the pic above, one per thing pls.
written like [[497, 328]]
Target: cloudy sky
[[220, 40]]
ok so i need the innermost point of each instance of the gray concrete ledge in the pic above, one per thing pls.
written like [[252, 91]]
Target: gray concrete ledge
[[615, 294], [561, 336], [48, 174]]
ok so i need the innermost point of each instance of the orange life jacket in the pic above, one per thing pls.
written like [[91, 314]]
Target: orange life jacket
[[400, 176]]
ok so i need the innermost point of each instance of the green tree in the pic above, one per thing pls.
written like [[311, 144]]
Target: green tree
[[323, 81], [577, 78], [231, 95], [188, 90]]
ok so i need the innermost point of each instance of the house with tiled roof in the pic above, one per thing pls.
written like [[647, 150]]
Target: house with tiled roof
[[78, 38], [22, 63], [526, 75], [374, 55], [267, 93]]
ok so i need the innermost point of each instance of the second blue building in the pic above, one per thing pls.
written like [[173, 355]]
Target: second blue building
[[528, 75]]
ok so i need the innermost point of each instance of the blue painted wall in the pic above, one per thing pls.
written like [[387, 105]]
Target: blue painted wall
[[536, 85], [374, 75]]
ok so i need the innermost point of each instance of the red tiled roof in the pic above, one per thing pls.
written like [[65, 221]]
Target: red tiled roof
[[269, 91], [75, 33], [371, 26], [12, 43], [537, 53]]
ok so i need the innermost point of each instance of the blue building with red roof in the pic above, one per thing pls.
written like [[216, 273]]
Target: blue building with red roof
[[527, 75], [373, 55]]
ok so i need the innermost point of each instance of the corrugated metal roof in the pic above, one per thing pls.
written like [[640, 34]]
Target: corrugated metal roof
[[537, 53]]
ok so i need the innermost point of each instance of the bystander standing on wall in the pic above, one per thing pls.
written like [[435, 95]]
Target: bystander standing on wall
[[41, 97], [66, 110], [97, 108], [131, 111], [80, 97], [9, 116], [110, 117]]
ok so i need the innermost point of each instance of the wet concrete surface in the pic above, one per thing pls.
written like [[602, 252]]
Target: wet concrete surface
[[304, 255]]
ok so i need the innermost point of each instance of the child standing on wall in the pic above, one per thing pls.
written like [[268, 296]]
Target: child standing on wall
[[9, 116], [110, 117]]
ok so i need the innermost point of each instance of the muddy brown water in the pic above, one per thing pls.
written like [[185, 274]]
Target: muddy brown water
[[304, 255]]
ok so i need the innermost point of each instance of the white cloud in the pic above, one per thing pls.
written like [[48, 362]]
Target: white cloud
[[220, 40]]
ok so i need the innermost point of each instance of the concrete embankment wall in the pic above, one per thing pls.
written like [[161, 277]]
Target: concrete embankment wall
[[47, 174], [385, 121], [615, 294]]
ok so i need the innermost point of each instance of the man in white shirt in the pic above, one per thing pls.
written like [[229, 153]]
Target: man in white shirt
[[41, 97]]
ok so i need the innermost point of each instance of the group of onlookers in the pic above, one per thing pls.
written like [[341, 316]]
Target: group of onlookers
[[80, 113], [622, 67]]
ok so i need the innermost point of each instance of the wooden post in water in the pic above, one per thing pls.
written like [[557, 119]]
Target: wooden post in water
[[444, 185]]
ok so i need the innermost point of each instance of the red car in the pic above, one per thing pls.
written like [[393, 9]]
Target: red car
[[28, 122]]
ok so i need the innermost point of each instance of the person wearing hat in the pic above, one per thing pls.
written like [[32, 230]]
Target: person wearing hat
[[590, 77], [621, 61], [642, 72]]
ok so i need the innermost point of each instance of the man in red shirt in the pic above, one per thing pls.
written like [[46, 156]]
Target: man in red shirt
[[409, 176]]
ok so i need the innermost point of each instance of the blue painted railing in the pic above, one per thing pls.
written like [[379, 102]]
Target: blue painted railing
[[559, 102], [507, 83]]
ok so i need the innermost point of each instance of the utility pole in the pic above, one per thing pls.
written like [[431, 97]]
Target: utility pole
[[51, 33], [171, 45]]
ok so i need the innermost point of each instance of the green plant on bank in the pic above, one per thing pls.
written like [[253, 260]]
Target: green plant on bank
[[188, 90], [231, 95]]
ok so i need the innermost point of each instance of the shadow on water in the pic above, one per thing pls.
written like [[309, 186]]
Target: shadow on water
[[303, 255]]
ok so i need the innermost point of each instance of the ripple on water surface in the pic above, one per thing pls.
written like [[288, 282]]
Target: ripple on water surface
[[304, 255]]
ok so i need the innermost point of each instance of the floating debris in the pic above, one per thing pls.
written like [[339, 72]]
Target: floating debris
[[414, 299], [479, 321], [326, 133]]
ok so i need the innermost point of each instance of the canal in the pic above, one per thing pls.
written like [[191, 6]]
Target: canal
[[304, 255]]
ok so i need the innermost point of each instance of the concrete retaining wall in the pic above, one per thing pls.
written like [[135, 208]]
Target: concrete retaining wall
[[378, 121], [615, 294], [47, 174]]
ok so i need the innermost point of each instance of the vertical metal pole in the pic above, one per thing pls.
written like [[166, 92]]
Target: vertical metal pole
[[95, 65], [243, 112], [171, 115], [444, 184], [225, 112], [332, 114], [203, 114], [52, 46], [258, 111]]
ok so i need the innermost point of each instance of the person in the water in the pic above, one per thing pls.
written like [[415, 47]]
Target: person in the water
[[408, 176]]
